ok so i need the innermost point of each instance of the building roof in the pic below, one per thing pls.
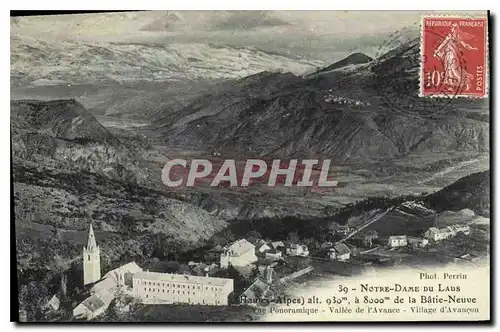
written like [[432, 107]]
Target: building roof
[[217, 248], [105, 285], [397, 237], [181, 278], [416, 239], [262, 245], [256, 290], [341, 249], [440, 230], [93, 303], [131, 267], [54, 302], [296, 246], [240, 247], [277, 244], [110, 279], [91, 244]]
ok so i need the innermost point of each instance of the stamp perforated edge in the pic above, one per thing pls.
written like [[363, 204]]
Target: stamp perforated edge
[[486, 60]]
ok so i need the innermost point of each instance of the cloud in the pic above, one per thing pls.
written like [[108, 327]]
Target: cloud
[[164, 23], [245, 20]]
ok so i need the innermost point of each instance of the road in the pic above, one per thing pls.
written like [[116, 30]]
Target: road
[[367, 223], [453, 168]]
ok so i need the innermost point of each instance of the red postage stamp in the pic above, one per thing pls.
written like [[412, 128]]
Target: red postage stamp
[[454, 54]]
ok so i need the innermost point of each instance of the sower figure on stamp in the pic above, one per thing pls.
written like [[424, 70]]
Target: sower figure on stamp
[[455, 76]]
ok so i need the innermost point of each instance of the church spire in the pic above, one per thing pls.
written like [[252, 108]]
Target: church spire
[[91, 244], [91, 260]]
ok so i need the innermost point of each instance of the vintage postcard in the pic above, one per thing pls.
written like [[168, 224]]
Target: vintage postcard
[[251, 166]]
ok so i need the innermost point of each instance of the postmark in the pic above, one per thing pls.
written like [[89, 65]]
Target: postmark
[[397, 78], [453, 60]]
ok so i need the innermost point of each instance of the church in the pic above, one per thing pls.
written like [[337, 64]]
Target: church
[[146, 287], [91, 260]]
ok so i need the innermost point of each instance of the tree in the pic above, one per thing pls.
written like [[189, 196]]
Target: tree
[[293, 237]]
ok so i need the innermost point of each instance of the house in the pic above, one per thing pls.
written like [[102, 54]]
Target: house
[[261, 290], [342, 229], [262, 247], [238, 253], [158, 288], [462, 229], [326, 245], [369, 238], [103, 292], [437, 234], [397, 241], [297, 250], [274, 255], [121, 276], [53, 303], [93, 306], [254, 294], [278, 245], [213, 255], [417, 242], [339, 252], [23, 316]]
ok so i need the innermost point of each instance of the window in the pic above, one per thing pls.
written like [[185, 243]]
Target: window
[[144, 288], [163, 290], [199, 287], [146, 295]]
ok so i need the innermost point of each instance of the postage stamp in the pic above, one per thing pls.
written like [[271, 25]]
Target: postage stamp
[[454, 57]]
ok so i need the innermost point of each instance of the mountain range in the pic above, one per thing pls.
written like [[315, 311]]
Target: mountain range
[[39, 62], [369, 112]]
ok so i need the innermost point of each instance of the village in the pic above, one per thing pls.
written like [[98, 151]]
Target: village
[[268, 266]]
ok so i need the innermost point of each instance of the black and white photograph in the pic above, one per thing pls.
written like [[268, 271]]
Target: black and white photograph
[[250, 166]]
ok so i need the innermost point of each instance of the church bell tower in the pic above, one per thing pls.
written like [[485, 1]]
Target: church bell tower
[[91, 260]]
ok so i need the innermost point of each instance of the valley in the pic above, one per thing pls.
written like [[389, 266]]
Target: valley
[[89, 151]]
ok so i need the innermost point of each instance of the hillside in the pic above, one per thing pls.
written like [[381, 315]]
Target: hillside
[[351, 60], [470, 192], [283, 115], [68, 170], [64, 119]]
